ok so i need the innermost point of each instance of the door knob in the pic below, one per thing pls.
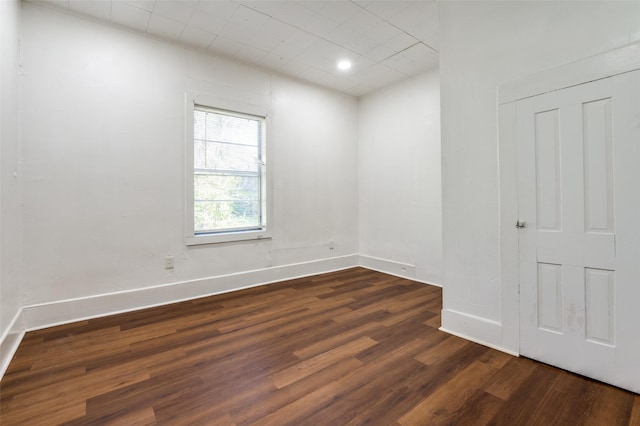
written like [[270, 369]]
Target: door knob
[[520, 224]]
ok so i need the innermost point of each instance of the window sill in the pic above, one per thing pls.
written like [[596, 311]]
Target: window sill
[[195, 240]]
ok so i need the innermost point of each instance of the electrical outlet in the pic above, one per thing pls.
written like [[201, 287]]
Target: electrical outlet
[[168, 262]]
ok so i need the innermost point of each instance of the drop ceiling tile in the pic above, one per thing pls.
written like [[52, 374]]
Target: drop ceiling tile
[[380, 75], [249, 17], [328, 65], [386, 9], [250, 54], [419, 52], [196, 37], [363, 21], [382, 31], [432, 41], [267, 7], [165, 27], [238, 32], [319, 25], [277, 29], [429, 29], [264, 42], [380, 52], [295, 68], [361, 44], [147, 5], [411, 18], [204, 22], [218, 9], [402, 64], [310, 58], [400, 42], [382, 84], [360, 63], [430, 9], [287, 50], [343, 10], [317, 76], [293, 14], [325, 49], [343, 34], [225, 46], [302, 39], [100, 9], [130, 16], [274, 62], [314, 5], [178, 11]]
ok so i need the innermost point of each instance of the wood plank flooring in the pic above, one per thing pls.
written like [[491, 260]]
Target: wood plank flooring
[[347, 348]]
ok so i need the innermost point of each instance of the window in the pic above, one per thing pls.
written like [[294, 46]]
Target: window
[[227, 180]]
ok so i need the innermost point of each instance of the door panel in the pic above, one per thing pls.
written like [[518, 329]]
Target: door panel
[[548, 170], [598, 166], [550, 297], [600, 307], [576, 190]]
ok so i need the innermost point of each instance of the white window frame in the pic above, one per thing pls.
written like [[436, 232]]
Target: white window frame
[[241, 108]]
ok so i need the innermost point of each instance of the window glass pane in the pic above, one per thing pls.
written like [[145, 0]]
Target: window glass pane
[[230, 187], [224, 128], [199, 154], [220, 215], [224, 156], [199, 124], [227, 172]]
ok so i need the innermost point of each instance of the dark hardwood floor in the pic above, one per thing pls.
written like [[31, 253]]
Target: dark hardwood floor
[[350, 347]]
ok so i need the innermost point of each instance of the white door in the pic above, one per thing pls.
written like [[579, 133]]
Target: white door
[[579, 249]]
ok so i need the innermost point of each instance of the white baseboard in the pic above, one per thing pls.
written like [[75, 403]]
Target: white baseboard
[[476, 329], [10, 341], [66, 311], [402, 270], [38, 316], [391, 267]]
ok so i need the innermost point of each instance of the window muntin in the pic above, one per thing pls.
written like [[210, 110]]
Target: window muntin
[[228, 172]]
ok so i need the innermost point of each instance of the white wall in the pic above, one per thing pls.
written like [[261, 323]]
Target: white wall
[[484, 44], [103, 140], [9, 188], [399, 183]]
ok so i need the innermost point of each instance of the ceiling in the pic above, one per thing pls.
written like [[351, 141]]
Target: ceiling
[[386, 41]]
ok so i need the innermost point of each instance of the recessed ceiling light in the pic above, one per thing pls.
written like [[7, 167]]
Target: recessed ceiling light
[[344, 65]]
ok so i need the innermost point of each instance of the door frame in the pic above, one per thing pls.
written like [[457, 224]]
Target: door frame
[[618, 61]]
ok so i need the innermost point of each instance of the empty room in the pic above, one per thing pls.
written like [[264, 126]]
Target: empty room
[[332, 212]]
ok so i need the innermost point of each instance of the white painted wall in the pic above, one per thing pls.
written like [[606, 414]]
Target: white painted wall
[[9, 189], [484, 44], [103, 137], [399, 183]]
